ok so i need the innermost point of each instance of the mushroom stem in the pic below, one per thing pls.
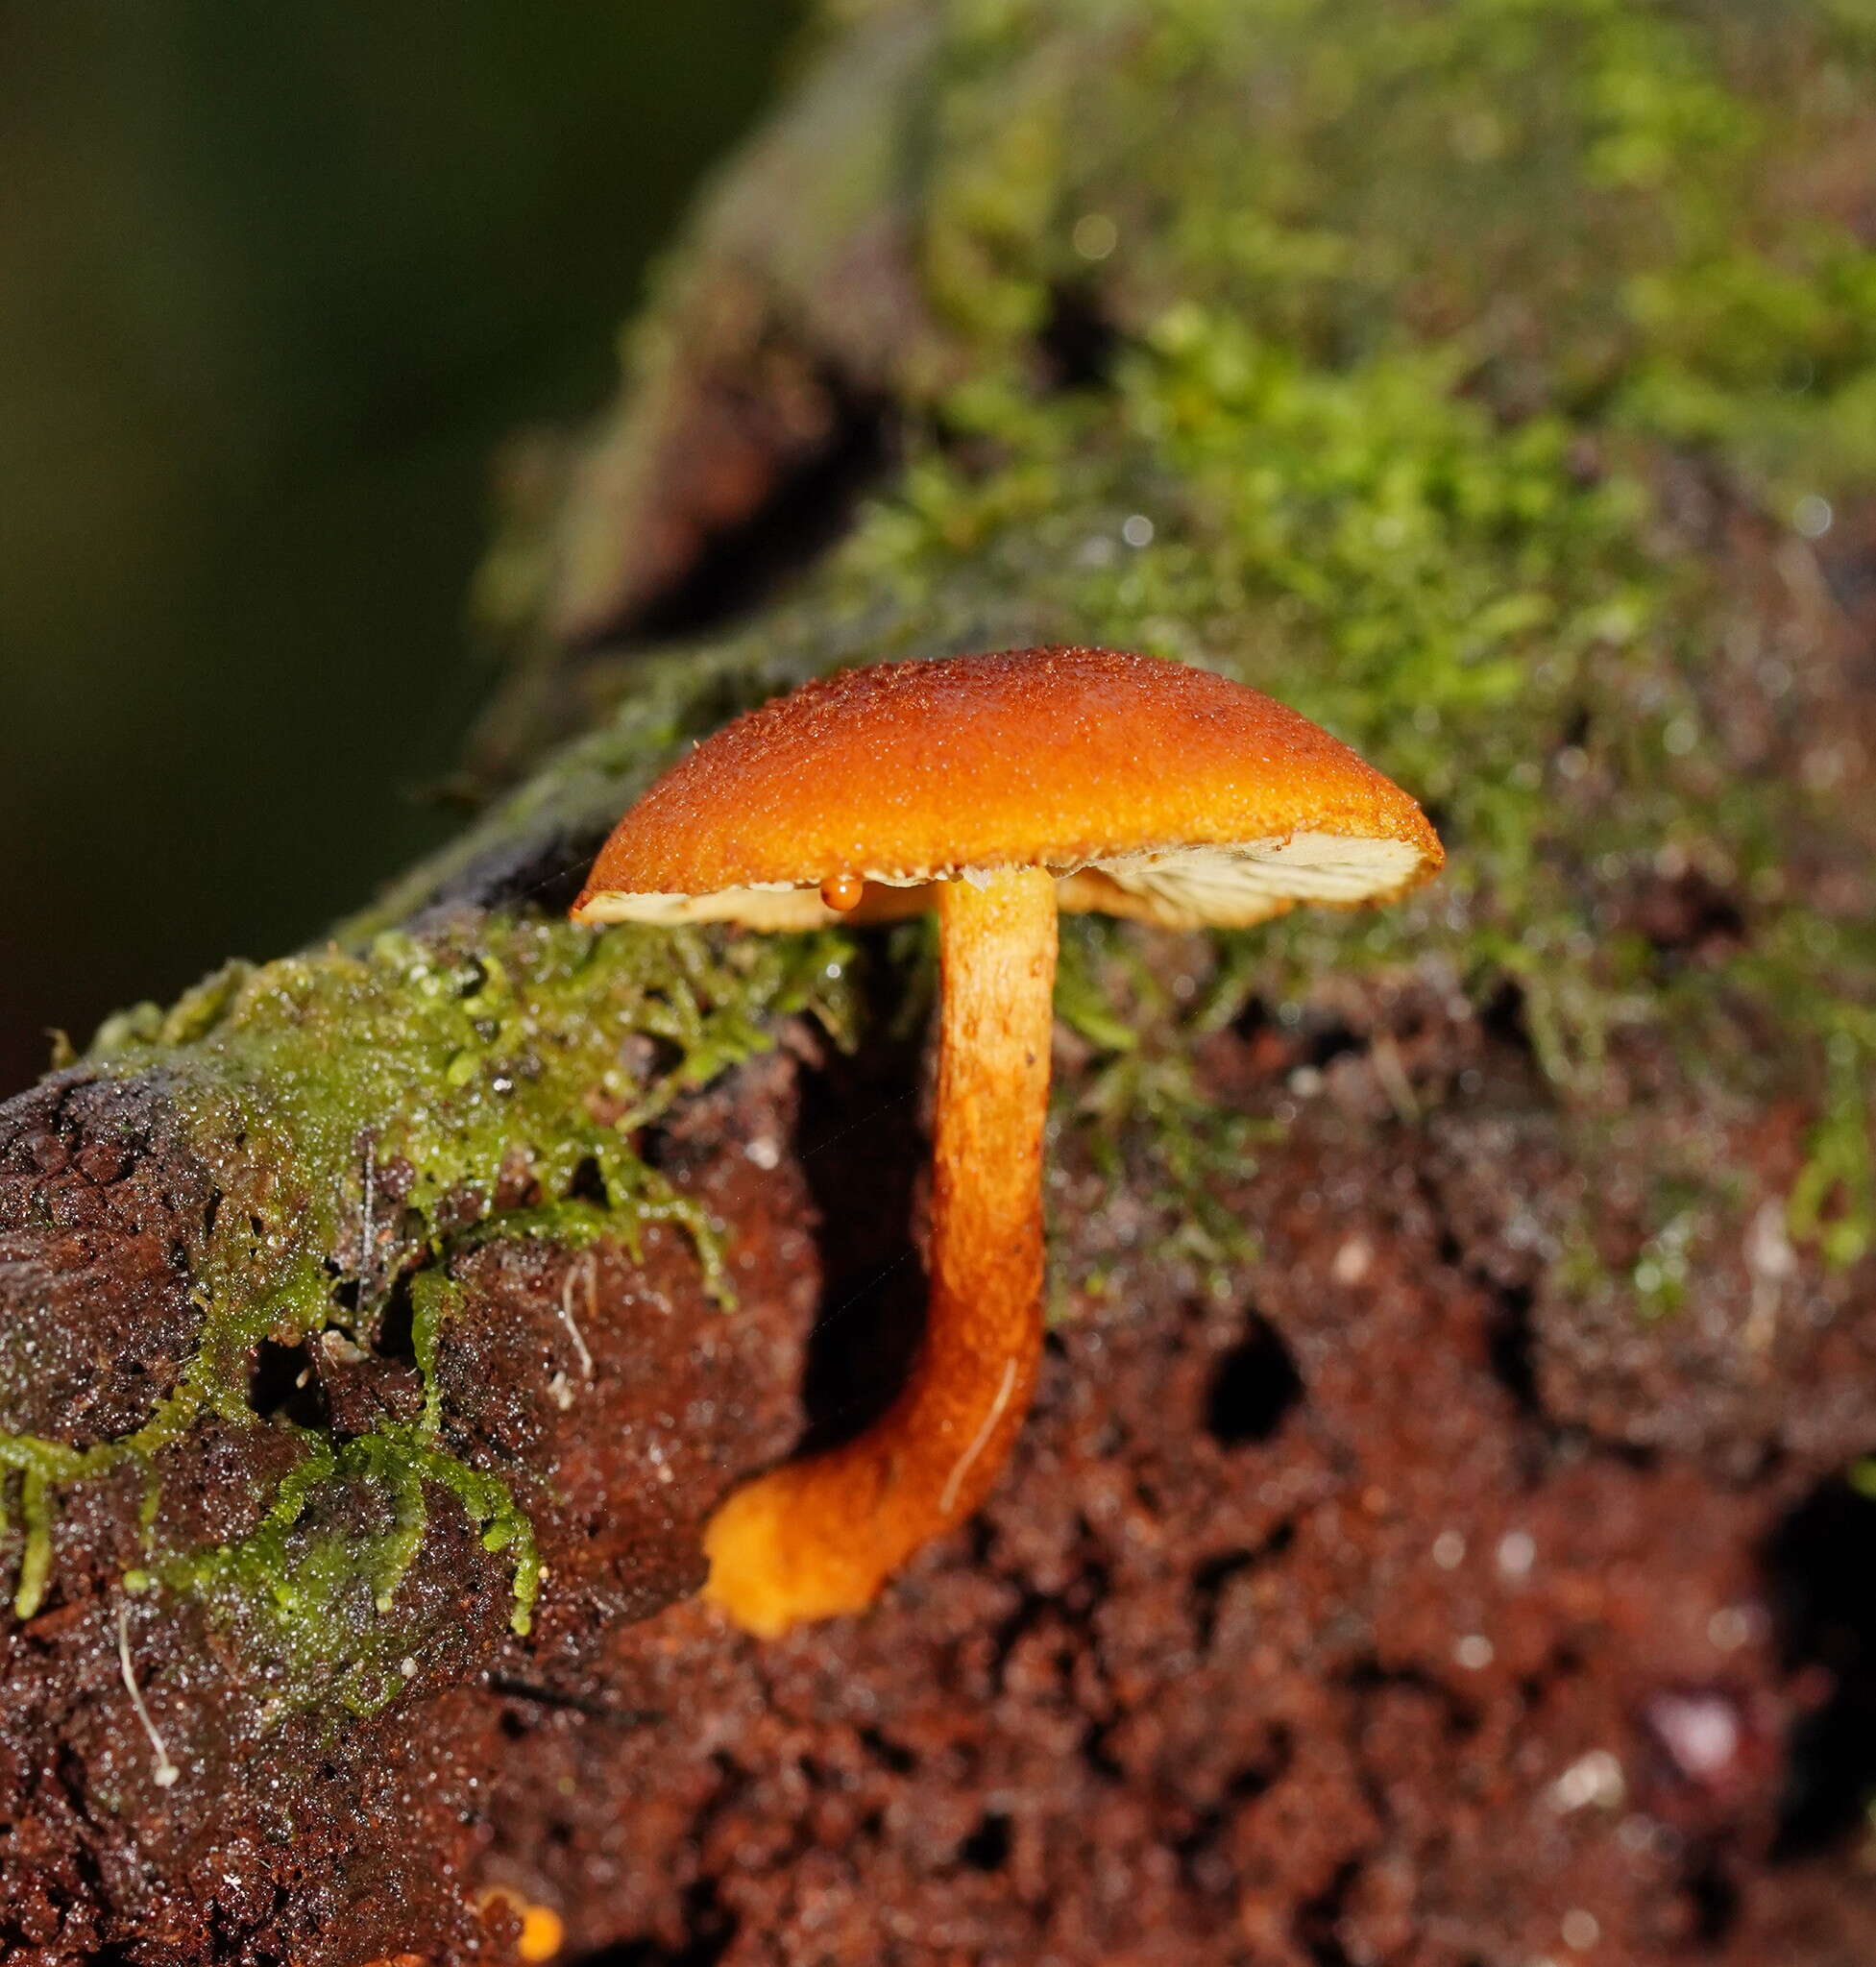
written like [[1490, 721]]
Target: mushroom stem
[[818, 1537]]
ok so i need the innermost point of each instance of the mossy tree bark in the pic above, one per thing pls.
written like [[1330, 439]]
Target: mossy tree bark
[[1497, 384]]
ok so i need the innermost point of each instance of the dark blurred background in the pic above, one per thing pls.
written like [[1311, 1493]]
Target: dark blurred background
[[274, 281]]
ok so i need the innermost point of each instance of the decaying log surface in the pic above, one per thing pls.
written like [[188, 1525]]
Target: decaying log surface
[[1439, 1538]]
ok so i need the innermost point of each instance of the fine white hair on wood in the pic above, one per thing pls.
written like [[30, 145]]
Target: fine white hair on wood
[[167, 1774]]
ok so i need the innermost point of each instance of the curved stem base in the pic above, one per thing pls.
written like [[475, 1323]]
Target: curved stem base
[[815, 1538]]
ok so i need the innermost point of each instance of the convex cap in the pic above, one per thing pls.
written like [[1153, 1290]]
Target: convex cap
[[1148, 789]]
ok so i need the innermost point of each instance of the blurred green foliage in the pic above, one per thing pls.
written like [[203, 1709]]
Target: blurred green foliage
[[273, 282]]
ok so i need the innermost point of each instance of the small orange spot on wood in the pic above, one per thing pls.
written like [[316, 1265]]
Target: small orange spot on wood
[[543, 1932]]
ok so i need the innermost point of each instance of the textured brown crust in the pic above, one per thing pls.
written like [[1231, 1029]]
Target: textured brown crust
[[1057, 757]]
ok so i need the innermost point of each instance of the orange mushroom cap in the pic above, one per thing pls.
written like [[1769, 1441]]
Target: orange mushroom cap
[[1148, 789]]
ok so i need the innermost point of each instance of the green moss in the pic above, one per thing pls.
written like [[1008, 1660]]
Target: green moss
[[493, 1059], [313, 1602], [1595, 200], [1833, 1202], [1142, 1113]]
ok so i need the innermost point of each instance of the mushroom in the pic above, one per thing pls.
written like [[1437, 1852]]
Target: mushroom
[[997, 789]]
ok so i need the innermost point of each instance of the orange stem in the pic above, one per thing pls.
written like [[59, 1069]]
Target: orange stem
[[818, 1537]]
